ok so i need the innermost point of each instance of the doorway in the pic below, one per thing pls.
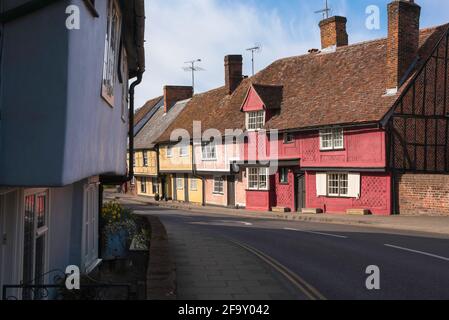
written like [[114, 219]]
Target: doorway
[[231, 191], [300, 191]]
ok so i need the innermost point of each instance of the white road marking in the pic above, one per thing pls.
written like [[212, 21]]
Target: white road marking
[[419, 252], [223, 222], [317, 233]]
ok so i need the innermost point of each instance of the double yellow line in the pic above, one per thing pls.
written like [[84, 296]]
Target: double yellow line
[[308, 290]]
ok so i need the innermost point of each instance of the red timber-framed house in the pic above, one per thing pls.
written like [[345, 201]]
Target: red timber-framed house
[[359, 128], [362, 128]]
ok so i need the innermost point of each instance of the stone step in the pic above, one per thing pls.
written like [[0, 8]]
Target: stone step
[[312, 211], [281, 209], [358, 212]]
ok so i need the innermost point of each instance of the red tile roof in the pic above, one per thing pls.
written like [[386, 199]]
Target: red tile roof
[[318, 89]]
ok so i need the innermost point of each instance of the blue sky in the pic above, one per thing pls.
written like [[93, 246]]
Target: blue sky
[[180, 30]]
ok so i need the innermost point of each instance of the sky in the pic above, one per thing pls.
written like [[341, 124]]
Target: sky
[[180, 30]]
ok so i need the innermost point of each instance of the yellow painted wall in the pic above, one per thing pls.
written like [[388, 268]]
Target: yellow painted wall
[[176, 162], [149, 186], [151, 168], [196, 195]]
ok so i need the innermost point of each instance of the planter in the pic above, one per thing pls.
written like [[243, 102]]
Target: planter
[[115, 245]]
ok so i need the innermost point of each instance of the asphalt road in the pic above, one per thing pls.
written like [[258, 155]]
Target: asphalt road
[[334, 258]]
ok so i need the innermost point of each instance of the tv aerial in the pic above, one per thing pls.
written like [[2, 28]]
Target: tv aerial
[[192, 67], [326, 11], [256, 49]]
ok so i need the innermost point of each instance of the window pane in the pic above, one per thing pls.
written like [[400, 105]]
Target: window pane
[[333, 184], [41, 211], [338, 138], [263, 178], [344, 184]]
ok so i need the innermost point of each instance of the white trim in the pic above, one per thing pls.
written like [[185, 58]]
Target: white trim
[[247, 114], [321, 184]]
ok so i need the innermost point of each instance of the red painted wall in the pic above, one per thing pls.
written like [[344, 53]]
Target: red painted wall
[[364, 148], [375, 195], [285, 193], [258, 200]]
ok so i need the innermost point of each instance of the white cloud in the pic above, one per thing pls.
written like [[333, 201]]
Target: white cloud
[[179, 30]]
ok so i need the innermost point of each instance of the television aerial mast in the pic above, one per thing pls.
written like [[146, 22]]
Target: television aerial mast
[[192, 67], [256, 49], [326, 11]]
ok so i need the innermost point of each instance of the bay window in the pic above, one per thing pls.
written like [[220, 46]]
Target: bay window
[[258, 178], [332, 139]]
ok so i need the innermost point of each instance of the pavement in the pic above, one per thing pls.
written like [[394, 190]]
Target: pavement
[[220, 256], [431, 224]]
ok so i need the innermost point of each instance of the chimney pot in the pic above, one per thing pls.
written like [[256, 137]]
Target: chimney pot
[[174, 94], [333, 32], [403, 39], [233, 72]]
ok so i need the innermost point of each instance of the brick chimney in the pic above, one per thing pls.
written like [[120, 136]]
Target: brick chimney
[[174, 94], [403, 40], [333, 32], [233, 72]]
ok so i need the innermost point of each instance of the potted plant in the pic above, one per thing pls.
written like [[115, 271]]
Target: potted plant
[[118, 227]]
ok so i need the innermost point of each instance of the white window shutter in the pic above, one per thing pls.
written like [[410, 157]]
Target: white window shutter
[[354, 185], [321, 184]]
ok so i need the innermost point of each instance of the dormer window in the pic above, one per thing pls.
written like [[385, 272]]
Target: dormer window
[[331, 139], [255, 120]]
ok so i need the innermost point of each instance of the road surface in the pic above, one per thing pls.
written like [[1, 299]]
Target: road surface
[[327, 261]]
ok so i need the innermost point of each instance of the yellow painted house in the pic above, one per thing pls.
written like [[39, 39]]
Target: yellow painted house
[[150, 122], [178, 179]]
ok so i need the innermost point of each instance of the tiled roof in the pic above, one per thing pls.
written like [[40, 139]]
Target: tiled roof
[[147, 107], [319, 89], [270, 95], [157, 125]]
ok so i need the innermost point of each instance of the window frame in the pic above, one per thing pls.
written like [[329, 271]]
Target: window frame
[[180, 183], [283, 171], [181, 148], [257, 172], [169, 151], [341, 184], [257, 126], [143, 185], [332, 145], [209, 151], [218, 181], [145, 160], [155, 185], [193, 187], [286, 140], [111, 52]]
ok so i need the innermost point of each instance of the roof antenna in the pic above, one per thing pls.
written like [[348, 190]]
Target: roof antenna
[[256, 49], [193, 68], [326, 11]]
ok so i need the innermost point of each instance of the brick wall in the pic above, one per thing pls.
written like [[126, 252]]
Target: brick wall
[[174, 94], [403, 39], [421, 194], [333, 32]]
